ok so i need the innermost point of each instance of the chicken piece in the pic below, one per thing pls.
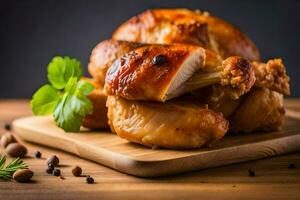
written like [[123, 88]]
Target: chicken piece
[[167, 26], [98, 119], [176, 125], [162, 72], [105, 53], [261, 110], [235, 74], [272, 75]]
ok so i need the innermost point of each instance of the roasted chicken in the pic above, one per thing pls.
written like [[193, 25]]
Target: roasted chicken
[[174, 124], [180, 79]]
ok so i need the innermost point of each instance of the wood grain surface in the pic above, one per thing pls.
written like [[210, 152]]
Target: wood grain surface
[[110, 150], [273, 180]]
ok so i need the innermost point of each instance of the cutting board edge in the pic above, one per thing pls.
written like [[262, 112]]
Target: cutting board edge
[[142, 168]]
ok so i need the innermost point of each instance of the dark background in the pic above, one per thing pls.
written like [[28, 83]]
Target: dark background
[[32, 32]]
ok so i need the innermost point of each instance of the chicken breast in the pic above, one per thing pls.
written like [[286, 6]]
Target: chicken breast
[[98, 119], [176, 125], [190, 27], [155, 72]]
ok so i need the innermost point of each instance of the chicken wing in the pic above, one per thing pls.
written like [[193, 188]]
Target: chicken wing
[[261, 110], [272, 75]]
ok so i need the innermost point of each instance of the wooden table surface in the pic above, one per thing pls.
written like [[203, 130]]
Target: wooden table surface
[[273, 180]]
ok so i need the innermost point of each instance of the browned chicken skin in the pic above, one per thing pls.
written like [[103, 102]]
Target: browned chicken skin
[[186, 26], [174, 124], [105, 53]]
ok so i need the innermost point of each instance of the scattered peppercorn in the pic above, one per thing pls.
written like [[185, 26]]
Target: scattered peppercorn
[[251, 173], [77, 171], [16, 150], [56, 172], [7, 126], [158, 60], [50, 168], [292, 166], [38, 154], [53, 160], [89, 180]]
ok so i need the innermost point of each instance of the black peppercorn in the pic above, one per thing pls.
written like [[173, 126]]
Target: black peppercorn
[[292, 166], [50, 169], [53, 160], [56, 172], [7, 127], [251, 173], [76, 171], [37, 154], [89, 180], [158, 60]]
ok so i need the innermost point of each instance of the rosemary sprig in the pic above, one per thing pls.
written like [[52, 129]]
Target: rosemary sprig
[[7, 171]]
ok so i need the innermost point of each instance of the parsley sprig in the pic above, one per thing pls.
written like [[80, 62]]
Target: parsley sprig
[[65, 96], [6, 172]]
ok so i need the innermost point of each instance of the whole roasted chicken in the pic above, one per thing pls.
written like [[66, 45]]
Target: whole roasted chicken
[[176, 78]]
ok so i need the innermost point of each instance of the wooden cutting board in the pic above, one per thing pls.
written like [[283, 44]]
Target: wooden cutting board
[[108, 149]]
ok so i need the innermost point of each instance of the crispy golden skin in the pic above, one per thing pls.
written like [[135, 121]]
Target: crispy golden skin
[[186, 26], [272, 75], [175, 125], [98, 119]]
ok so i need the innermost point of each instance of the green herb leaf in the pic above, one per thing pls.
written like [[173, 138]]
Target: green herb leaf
[[45, 100], [7, 171], [66, 97], [61, 69], [85, 88], [65, 117], [73, 107]]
